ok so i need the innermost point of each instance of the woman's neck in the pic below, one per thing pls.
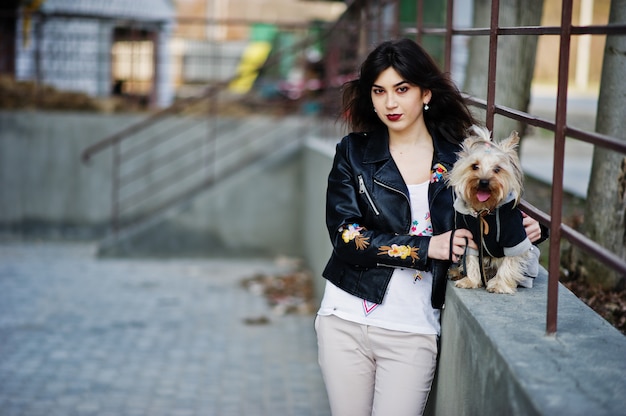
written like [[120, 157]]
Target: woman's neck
[[405, 140]]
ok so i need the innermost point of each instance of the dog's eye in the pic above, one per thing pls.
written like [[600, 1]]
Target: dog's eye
[[475, 166], [497, 169]]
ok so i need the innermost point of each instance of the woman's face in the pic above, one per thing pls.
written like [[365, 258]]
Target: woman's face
[[398, 103]]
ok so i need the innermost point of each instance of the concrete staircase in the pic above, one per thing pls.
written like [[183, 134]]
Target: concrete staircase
[[231, 155]]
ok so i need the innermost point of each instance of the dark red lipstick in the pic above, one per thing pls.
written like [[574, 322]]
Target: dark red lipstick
[[393, 117]]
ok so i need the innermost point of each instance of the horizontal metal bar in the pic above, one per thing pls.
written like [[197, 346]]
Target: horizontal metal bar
[[578, 239], [515, 114], [186, 20], [125, 203], [535, 212], [164, 136], [594, 138], [129, 131], [608, 29], [612, 29], [599, 252], [146, 168], [599, 139]]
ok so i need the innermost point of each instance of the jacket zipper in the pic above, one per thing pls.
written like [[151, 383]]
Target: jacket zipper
[[392, 189], [363, 190], [401, 193]]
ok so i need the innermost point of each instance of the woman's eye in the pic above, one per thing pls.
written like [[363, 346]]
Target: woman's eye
[[377, 91], [403, 89]]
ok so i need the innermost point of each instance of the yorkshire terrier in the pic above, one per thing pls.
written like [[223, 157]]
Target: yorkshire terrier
[[488, 182]]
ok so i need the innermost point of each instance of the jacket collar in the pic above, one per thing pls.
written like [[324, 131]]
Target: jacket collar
[[445, 152], [377, 149]]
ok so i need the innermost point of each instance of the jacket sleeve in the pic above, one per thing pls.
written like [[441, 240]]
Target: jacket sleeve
[[354, 240]]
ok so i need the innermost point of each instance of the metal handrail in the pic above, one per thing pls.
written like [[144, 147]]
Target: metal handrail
[[609, 29], [123, 203], [557, 228], [122, 135], [559, 126]]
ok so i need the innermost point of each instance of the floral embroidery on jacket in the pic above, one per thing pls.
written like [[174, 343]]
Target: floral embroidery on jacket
[[437, 174], [353, 232], [399, 251]]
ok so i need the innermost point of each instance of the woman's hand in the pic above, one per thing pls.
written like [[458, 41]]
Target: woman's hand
[[531, 225], [440, 245]]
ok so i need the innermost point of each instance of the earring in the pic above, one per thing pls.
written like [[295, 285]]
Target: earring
[[426, 107], [375, 111]]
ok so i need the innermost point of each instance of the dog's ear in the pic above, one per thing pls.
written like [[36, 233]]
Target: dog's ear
[[510, 143], [509, 146]]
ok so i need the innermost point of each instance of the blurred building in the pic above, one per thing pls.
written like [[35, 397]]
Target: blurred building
[[215, 39], [99, 47]]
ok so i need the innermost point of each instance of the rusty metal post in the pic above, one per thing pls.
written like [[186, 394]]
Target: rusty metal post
[[420, 20], [38, 25], [448, 43], [210, 147], [115, 188], [493, 58], [377, 12], [557, 173], [155, 38], [396, 19], [364, 28]]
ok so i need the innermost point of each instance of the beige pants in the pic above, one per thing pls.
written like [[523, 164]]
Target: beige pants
[[373, 371]]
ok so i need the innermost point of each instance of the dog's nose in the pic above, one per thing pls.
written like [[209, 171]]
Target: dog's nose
[[483, 184]]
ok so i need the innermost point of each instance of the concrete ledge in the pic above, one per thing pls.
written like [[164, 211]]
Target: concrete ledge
[[496, 358]]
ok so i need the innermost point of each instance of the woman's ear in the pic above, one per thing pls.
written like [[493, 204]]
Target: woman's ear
[[427, 95]]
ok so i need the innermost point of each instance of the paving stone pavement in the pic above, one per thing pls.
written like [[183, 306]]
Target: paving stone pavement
[[86, 336]]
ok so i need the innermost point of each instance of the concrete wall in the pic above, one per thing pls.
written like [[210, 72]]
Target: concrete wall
[[317, 162], [45, 190], [44, 187], [495, 358]]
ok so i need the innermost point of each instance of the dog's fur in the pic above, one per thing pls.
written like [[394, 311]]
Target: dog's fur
[[488, 180]]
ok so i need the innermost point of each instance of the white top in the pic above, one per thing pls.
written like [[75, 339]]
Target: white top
[[406, 306]]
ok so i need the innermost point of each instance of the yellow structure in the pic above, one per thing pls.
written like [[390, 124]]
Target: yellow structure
[[253, 58]]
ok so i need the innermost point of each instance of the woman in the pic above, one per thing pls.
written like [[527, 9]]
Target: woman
[[390, 218]]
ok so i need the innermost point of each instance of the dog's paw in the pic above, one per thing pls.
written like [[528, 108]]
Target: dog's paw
[[467, 283], [498, 286]]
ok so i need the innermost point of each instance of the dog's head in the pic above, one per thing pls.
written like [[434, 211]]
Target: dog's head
[[487, 174]]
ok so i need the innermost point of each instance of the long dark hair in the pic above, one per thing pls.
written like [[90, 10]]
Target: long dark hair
[[448, 117]]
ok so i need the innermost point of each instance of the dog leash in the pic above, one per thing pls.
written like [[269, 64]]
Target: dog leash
[[482, 224], [464, 257]]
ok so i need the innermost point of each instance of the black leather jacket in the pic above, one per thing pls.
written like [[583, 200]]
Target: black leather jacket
[[368, 216]]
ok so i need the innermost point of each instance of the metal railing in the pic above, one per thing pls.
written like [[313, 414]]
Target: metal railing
[[366, 14]]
